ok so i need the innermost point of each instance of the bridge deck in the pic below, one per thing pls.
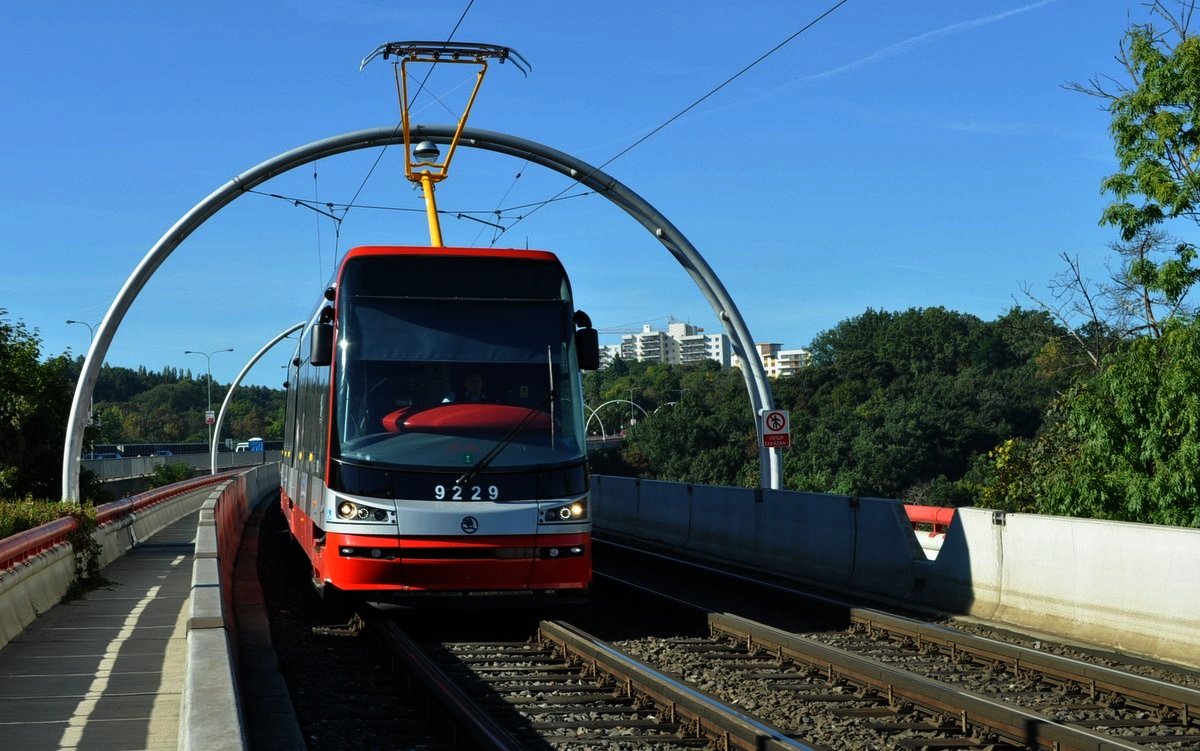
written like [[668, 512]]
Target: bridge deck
[[106, 671]]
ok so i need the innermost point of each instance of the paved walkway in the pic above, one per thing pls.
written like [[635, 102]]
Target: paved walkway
[[106, 671]]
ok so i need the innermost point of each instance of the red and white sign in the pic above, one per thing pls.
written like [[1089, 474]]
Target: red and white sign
[[776, 428], [210, 417]]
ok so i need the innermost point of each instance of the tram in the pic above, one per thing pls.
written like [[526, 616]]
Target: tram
[[434, 446]]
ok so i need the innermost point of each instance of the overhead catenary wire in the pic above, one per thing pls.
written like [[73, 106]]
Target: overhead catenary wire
[[327, 208], [685, 110], [496, 211]]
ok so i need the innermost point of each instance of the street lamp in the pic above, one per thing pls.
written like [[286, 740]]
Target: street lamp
[[208, 359], [91, 334], [91, 329]]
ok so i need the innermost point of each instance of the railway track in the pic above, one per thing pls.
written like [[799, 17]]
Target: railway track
[[790, 672], [565, 689], [912, 680]]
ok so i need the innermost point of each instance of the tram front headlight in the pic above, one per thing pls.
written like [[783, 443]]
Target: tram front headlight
[[571, 512], [347, 510]]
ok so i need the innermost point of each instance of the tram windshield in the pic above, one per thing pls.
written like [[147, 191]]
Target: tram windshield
[[438, 383]]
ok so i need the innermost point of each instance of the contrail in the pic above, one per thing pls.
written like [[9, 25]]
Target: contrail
[[899, 48]]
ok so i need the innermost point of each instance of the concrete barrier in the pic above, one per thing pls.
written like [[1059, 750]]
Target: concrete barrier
[[32, 587], [210, 685], [668, 519], [885, 548], [724, 520], [966, 575], [614, 502], [806, 535], [1131, 587]]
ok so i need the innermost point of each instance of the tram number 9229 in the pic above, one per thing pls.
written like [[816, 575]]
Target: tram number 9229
[[460, 493]]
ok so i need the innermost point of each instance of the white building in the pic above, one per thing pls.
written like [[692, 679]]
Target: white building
[[777, 361], [680, 343]]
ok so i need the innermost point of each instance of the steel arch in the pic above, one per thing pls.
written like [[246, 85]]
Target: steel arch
[[759, 389]]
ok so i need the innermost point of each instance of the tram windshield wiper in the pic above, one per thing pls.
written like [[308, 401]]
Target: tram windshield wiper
[[512, 435]]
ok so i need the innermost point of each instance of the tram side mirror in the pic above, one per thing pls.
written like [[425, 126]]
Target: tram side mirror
[[321, 350], [322, 344], [587, 342]]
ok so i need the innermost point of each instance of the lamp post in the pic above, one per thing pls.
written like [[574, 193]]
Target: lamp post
[[208, 359], [91, 330], [91, 407]]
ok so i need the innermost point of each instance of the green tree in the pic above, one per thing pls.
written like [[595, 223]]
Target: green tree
[[902, 404], [1121, 444], [1125, 444], [34, 402], [1156, 137]]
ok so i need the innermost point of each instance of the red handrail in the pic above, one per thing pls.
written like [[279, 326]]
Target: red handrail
[[23, 545]]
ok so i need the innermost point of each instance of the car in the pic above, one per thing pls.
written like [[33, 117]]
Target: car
[[103, 455], [162, 452]]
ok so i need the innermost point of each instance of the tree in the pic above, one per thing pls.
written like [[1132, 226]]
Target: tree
[[1125, 444], [1122, 443], [1156, 137], [900, 404], [33, 408]]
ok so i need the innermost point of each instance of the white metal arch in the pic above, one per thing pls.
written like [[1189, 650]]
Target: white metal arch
[[623, 401], [212, 456], [758, 388], [603, 432]]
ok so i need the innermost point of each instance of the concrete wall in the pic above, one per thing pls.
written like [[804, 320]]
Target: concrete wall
[[1131, 587], [32, 587], [210, 685]]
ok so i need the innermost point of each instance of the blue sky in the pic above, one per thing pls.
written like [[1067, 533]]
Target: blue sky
[[896, 155]]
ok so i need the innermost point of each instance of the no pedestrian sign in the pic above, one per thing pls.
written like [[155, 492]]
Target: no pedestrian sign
[[776, 429]]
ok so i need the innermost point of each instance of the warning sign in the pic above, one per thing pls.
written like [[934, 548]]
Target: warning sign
[[776, 429]]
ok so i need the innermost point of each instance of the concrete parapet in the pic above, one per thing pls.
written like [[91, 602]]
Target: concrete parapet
[[1131, 587], [966, 576], [668, 519], [724, 520], [614, 503], [806, 535], [885, 548], [32, 587], [210, 716], [210, 684]]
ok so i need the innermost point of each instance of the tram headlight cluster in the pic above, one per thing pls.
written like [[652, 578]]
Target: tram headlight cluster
[[571, 512], [351, 511]]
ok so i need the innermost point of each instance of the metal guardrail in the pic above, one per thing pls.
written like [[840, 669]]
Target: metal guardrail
[[23, 545], [143, 466]]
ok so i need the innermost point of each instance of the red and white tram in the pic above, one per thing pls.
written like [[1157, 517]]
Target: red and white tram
[[400, 485]]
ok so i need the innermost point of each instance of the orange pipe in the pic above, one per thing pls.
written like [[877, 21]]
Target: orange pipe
[[939, 516]]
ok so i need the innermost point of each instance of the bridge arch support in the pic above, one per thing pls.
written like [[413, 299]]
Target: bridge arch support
[[759, 389]]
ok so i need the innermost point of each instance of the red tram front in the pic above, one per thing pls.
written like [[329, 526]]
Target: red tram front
[[434, 443]]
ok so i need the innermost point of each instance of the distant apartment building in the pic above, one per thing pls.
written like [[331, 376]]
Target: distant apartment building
[[777, 361], [681, 343]]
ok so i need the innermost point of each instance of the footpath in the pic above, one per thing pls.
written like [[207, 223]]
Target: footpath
[[106, 671]]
